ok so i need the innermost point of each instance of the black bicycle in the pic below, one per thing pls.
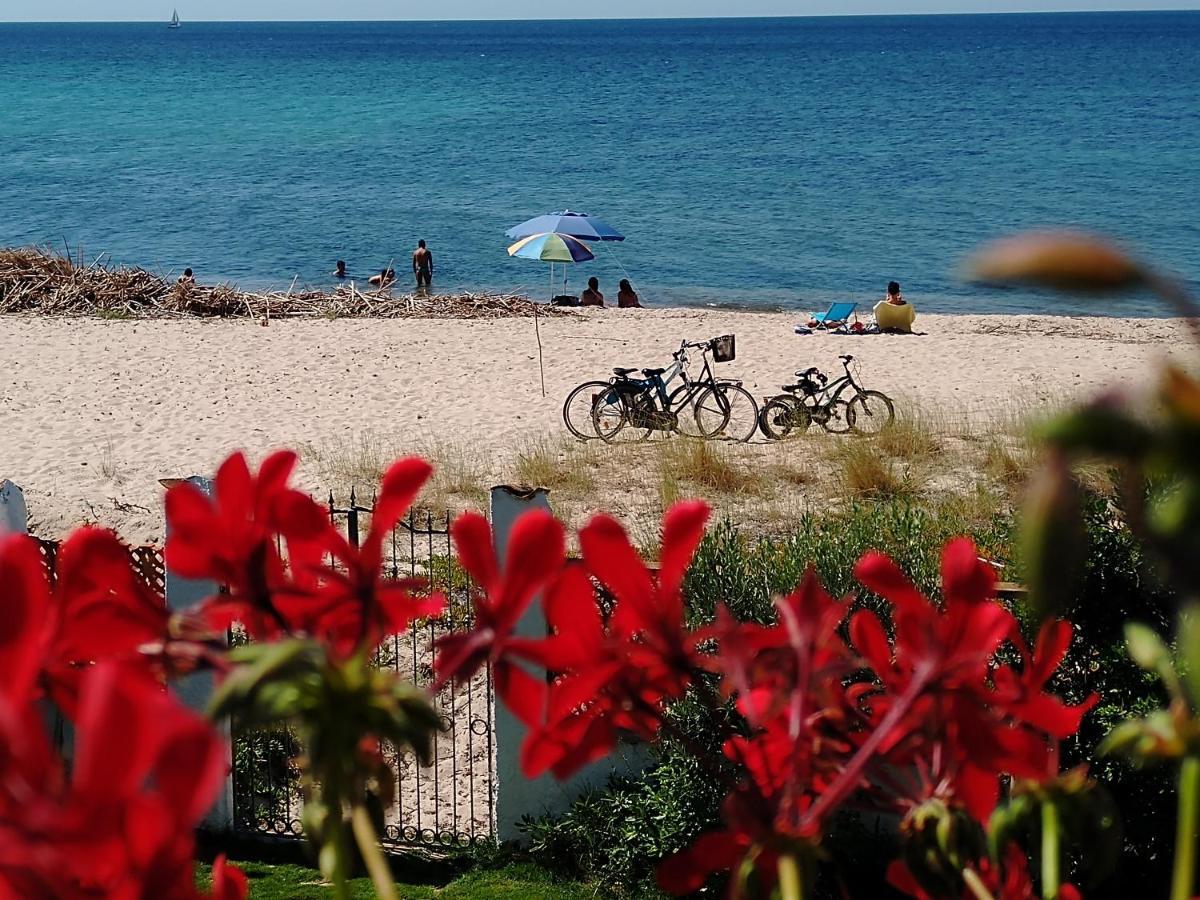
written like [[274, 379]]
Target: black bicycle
[[719, 408], [814, 399]]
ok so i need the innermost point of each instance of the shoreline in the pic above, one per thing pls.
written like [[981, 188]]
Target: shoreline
[[42, 282]]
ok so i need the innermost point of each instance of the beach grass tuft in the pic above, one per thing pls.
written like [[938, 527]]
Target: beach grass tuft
[[865, 473], [556, 464], [913, 435], [709, 466]]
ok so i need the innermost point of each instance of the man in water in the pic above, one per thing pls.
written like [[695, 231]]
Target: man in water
[[340, 270], [423, 265]]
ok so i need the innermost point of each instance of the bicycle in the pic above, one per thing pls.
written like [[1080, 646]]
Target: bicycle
[[814, 399], [584, 398], [720, 408]]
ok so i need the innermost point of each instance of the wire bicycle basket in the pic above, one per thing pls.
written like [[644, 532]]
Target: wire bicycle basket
[[724, 348]]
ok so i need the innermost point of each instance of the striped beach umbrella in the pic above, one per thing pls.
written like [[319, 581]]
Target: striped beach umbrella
[[552, 247], [576, 224]]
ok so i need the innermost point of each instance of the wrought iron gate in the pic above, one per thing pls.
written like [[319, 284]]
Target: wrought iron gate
[[450, 802]]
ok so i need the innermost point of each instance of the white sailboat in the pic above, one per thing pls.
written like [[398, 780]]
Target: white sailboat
[[174, 19]]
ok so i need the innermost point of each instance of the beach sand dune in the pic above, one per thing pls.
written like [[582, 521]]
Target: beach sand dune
[[94, 412]]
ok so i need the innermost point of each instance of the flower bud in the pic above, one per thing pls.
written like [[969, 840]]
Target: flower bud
[[1059, 259]]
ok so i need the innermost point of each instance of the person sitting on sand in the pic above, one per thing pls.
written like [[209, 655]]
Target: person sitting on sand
[[627, 297], [894, 313], [592, 296], [186, 278], [339, 270], [423, 265], [383, 279]]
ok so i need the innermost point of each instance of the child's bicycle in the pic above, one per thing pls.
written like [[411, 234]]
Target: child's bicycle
[[839, 407]]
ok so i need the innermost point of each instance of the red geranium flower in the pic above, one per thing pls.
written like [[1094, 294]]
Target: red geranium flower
[[536, 553], [231, 537], [351, 603], [98, 609], [615, 676], [145, 771]]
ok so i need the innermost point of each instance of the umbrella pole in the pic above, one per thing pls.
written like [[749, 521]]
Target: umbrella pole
[[538, 334]]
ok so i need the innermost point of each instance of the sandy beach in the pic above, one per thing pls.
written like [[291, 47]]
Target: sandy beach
[[94, 412]]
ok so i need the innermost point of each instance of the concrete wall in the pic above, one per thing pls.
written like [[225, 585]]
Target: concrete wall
[[14, 517], [195, 690], [516, 795]]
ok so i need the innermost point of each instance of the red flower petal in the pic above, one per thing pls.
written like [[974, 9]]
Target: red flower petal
[[688, 870], [524, 695], [879, 574], [683, 529], [610, 557], [473, 540], [965, 578], [23, 616]]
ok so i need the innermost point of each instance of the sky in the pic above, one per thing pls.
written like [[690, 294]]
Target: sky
[[317, 10]]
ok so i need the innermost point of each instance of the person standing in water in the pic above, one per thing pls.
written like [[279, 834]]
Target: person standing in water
[[340, 270], [423, 265]]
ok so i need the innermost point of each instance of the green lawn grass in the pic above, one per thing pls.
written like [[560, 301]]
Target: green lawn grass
[[516, 881]]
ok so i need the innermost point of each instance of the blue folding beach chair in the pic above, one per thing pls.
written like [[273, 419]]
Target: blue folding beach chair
[[837, 312]]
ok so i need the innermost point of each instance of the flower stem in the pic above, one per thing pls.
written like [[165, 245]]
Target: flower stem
[[1050, 856], [364, 835], [976, 885], [791, 884], [1184, 876]]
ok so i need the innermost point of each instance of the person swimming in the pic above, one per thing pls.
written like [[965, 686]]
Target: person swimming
[[383, 279], [340, 270]]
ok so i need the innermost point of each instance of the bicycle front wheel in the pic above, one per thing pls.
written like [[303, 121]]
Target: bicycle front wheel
[[836, 417], [781, 416], [577, 410], [870, 412], [726, 411]]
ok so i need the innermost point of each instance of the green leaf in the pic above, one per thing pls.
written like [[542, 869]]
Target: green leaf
[[1100, 429], [1188, 652], [1146, 648], [261, 663]]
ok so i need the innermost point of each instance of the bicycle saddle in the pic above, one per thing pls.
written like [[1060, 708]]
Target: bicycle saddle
[[650, 373], [622, 372]]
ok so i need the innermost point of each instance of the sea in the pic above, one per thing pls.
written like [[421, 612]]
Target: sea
[[757, 163]]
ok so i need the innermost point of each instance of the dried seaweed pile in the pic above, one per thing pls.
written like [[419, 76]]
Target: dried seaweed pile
[[35, 281]]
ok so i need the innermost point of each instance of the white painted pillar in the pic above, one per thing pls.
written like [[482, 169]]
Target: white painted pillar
[[14, 517], [196, 690], [515, 795]]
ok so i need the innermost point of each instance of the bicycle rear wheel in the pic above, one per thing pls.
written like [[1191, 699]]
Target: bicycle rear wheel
[[727, 411], [610, 413], [577, 410], [781, 416], [870, 412]]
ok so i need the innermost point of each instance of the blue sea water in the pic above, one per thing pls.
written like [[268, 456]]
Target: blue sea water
[[755, 162]]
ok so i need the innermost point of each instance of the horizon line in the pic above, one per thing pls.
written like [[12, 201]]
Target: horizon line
[[594, 18]]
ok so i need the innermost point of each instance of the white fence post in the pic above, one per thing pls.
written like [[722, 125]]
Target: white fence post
[[196, 690], [515, 795], [14, 517]]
